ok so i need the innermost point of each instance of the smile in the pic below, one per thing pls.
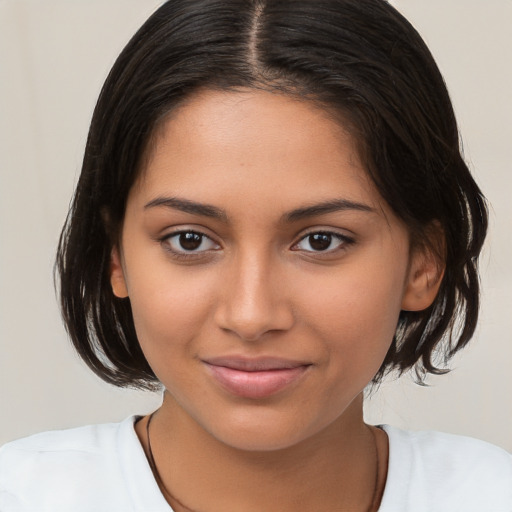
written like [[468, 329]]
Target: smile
[[255, 378]]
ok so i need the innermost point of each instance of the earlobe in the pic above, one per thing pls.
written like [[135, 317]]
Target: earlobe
[[117, 279], [423, 281]]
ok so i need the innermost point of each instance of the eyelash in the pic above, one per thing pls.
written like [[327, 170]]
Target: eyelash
[[344, 241], [183, 254]]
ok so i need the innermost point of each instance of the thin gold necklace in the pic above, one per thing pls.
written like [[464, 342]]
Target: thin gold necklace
[[169, 496]]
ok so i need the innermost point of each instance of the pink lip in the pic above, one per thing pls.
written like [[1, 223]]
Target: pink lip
[[255, 378]]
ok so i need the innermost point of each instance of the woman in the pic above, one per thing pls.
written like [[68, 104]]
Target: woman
[[273, 213]]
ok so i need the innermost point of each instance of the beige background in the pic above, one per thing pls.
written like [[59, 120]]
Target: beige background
[[54, 56]]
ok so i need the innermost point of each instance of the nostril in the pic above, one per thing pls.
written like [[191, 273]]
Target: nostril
[[250, 322], [252, 302]]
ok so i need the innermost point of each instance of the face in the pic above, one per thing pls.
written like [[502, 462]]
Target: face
[[265, 272]]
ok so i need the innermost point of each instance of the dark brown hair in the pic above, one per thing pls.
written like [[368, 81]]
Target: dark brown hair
[[358, 59]]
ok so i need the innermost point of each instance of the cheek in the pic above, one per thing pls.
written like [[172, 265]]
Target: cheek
[[355, 311], [170, 306]]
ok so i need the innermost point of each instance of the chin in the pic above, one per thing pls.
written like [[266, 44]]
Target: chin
[[259, 441], [262, 431]]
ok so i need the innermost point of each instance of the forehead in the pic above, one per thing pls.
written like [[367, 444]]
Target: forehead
[[267, 146]]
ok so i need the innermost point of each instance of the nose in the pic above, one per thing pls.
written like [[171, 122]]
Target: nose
[[254, 299]]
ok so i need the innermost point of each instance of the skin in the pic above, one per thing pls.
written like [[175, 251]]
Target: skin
[[256, 286]]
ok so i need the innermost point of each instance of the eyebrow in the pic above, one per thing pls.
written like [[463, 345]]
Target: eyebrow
[[207, 210], [331, 206], [187, 206]]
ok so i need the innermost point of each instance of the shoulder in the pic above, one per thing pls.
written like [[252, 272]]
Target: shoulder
[[455, 456], [63, 463], [449, 472], [87, 438], [61, 447]]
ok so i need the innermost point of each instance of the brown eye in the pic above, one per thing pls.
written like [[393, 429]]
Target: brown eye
[[190, 242], [323, 242], [320, 241]]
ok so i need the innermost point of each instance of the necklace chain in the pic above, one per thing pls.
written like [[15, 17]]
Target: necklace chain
[[159, 479], [170, 496]]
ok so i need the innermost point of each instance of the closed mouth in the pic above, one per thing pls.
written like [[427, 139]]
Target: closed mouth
[[255, 378], [259, 364]]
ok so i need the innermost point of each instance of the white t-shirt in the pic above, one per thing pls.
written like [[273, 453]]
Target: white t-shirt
[[103, 468]]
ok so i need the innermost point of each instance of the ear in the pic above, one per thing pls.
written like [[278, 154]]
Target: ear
[[117, 279], [426, 271]]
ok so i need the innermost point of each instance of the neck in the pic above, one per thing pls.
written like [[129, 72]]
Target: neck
[[336, 467]]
